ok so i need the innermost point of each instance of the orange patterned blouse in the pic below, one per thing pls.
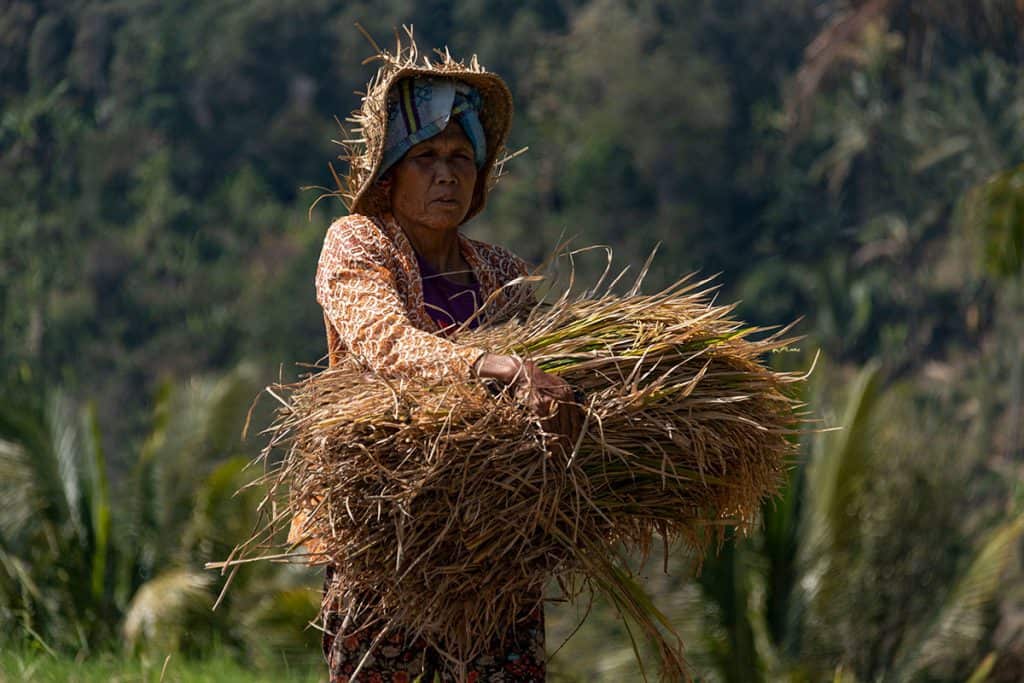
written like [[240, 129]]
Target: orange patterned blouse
[[369, 285]]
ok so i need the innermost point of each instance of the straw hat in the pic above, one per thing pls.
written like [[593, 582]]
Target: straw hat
[[364, 153]]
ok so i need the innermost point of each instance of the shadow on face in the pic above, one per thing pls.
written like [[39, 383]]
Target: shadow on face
[[431, 187]]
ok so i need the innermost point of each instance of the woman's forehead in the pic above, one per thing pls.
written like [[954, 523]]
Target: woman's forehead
[[451, 135]]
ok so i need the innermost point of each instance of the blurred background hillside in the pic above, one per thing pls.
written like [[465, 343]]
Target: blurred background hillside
[[856, 163]]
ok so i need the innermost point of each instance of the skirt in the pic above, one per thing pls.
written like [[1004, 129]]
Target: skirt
[[518, 658]]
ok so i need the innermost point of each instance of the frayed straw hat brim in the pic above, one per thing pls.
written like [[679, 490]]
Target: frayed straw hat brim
[[364, 153]]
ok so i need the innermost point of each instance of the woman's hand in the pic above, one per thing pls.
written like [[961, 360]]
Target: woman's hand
[[548, 397]]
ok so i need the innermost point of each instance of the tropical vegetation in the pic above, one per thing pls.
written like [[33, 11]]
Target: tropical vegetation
[[858, 164]]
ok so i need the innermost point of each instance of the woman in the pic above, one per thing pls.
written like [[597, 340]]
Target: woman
[[396, 276]]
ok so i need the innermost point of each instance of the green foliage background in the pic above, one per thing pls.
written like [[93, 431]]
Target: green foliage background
[[157, 252]]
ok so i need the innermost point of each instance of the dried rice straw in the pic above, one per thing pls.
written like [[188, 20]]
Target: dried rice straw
[[444, 512]]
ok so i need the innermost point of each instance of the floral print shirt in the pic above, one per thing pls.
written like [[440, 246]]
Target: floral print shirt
[[369, 284]]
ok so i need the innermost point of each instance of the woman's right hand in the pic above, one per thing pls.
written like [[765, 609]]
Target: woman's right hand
[[548, 397]]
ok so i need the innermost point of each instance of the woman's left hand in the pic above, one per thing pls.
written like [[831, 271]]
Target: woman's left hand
[[547, 396]]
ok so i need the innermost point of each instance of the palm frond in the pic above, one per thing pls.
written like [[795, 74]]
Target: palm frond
[[222, 511], [19, 488], [839, 461], [984, 669], [32, 432], [98, 500], [160, 608], [195, 434], [67, 448], [957, 623]]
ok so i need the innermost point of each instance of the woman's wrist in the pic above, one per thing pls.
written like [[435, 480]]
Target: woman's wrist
[[504, 368]]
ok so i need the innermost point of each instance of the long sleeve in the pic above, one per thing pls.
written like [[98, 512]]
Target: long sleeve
[[357, 287]]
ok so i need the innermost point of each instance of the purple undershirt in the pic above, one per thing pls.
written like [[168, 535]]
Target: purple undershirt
[[448, 302]]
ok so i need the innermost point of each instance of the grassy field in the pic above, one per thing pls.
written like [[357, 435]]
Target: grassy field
[[574, 664], [44, 668], [40, 667], [599, 651]]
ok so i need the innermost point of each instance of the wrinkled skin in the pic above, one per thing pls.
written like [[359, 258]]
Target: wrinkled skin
[[432, 186]]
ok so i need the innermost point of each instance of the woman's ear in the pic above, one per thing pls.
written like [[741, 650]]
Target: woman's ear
[[384, 182]]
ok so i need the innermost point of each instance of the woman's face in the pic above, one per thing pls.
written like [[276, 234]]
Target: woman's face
[[432, 185]]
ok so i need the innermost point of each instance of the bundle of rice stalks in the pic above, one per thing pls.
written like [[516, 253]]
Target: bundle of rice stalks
[[445, 513]]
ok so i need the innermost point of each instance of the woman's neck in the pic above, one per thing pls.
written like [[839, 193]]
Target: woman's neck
[[440, 250]]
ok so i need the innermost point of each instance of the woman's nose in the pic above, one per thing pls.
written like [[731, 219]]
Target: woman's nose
[[444, 171]]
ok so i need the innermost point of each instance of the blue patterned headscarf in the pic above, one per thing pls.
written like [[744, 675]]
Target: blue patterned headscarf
[[419, 108]]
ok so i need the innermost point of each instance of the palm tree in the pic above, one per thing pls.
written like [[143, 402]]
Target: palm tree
[[190, 489], [55, 524], [80, 567], [808, 629]]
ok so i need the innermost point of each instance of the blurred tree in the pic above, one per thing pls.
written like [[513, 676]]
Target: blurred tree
[[55, 527], [82, 562], [850, 160]]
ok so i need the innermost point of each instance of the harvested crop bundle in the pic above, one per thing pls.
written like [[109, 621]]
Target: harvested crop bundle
[[445, 511]]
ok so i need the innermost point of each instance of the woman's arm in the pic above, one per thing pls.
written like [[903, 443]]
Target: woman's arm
[[358, 293]]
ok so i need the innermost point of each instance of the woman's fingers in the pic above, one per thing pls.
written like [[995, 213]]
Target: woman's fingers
[[549, 397], [563, 418], [560, 440]]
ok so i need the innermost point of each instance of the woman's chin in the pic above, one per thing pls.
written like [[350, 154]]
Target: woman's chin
[[445, 217]]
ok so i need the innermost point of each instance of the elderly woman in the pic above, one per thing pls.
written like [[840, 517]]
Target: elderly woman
[[397, 276]]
